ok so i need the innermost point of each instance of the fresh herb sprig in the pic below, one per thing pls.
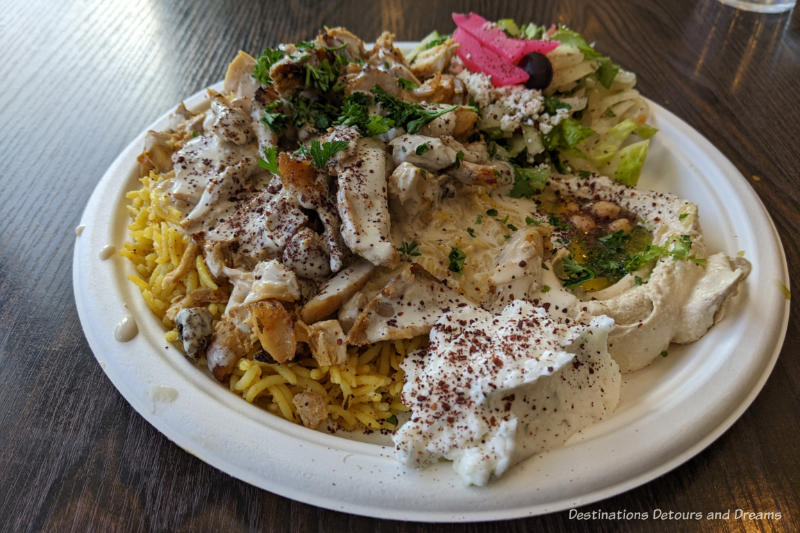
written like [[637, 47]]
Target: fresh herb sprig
[[409, 115], [320, 153], [456, 258], [270, 161], [410, 249]]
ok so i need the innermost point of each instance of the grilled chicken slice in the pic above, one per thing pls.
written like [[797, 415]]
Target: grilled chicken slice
[[434, 60], [307, 255], [289, 74], [258, 227], [312, 408], [426, 152], [239, 80], [231, 120], [228, 344], [157, 154], [441, 89], [311, 189], [517, 269], [364, 78], [272, 280], [335, 291], [363, 206], [409, 305], [326, 340], [338, 36], [413, 191], [274, 326], [384, 55], [457, 123]]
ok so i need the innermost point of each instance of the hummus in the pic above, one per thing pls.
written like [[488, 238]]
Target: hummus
[[675, 301]]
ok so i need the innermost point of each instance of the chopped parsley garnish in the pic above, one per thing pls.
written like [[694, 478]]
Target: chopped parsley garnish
[[355, 112], [318, 113], [267, 58], [557, 223], [323, 76], [392, 420], [408, 115], [408, 85], [422, 148], [270, 161], [276, 121], [321, 152], [584, 174], [576, 274], [664, 353], [609, 113], [512, 227], [471, 232], [682, 216], [456, 258], [553, 104], [492, 212], [545, 288], [479, 219], [410, 249], [530, 221], [616, 256], [529, 181], [304, 45], [459, 158]]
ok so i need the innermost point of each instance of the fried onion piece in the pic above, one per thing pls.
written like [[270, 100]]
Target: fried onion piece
[[312, 408], [326, 340], [274, 327], [228, 345], [197, 298]]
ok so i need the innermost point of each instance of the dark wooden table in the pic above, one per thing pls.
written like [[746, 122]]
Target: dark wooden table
[[81, 78]]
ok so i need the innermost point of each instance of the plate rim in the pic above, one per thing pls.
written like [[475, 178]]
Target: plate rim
[[733, 176]]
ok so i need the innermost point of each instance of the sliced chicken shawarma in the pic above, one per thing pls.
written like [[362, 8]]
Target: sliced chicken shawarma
[[239, 79], [363, 205], [336, 291], [413, 191], [517, 270], [311, 189], [409, 305], [434, 60], [426, 152]]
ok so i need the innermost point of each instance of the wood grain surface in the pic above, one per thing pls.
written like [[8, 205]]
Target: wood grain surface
[[81, 78]]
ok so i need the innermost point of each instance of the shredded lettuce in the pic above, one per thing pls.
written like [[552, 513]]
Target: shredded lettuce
[[607, 70], [631, 160], [529, 181]]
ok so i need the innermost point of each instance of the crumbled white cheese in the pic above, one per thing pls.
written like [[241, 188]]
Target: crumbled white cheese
[[479, 86], [547, 122]]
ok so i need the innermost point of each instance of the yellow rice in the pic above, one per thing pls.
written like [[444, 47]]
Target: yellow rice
[[364, 392]]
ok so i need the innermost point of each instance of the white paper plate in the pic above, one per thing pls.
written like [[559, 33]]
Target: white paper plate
[[668, 413]]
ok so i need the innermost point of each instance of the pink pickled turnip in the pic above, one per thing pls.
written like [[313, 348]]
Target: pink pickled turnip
[[479, 58], [497, 40]]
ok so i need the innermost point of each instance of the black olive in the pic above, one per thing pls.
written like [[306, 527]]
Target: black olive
[[538, 68]]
